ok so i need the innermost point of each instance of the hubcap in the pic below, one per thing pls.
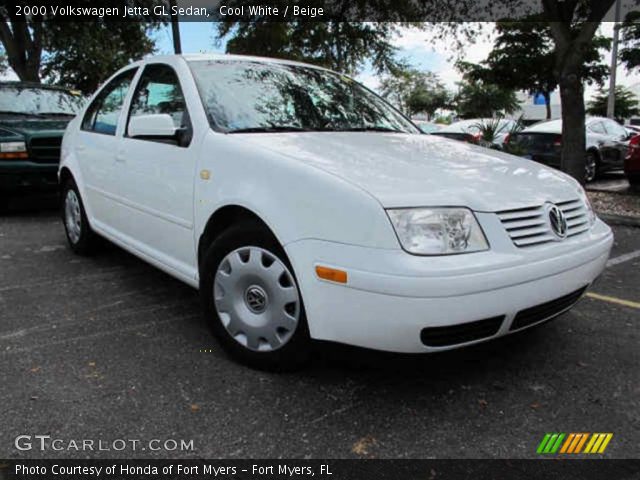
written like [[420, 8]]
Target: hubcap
[[72, 216], [256, 299]]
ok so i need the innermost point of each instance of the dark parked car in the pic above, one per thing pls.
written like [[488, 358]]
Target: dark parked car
[[632, 162], [33, 118], [470, 131], [607, 144]]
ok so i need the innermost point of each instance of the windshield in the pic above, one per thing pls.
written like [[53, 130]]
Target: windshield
[[245, 96], [38, 101]]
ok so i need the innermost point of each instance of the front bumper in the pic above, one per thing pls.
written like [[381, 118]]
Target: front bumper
[[23, 175], [391, 297]]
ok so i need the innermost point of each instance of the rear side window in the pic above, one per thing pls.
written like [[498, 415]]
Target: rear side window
[[103, 114], [615, 129]]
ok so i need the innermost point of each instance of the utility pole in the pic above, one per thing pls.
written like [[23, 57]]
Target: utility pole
[[611, 101], [175, 30]]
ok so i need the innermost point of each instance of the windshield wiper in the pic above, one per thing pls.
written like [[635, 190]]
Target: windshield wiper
[[280, 128]]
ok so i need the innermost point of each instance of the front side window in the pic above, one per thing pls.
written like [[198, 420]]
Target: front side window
[[245, 96], [103, 114], [157, 92]]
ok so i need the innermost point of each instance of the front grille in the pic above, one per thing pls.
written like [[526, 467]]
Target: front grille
[[461, 333], [45, 149], [529, 226], [545, 311]]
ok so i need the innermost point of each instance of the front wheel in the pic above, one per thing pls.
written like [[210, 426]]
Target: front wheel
[[80, 236], [251, 298]]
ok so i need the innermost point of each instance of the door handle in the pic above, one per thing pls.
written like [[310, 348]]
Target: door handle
[[120, 158]]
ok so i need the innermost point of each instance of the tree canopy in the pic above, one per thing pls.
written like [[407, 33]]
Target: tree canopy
[[413, 91], [523, 58], [630, 51], [341, 46], [481, 100], [80, 54], [626, 104]]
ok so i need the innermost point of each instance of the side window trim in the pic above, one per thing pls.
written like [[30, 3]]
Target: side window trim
[[99, 99], [132, 96]]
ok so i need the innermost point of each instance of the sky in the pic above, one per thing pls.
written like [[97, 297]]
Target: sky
[[416, 46]]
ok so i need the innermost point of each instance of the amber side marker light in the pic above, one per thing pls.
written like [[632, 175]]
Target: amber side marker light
[[331, 274], [12, 155]]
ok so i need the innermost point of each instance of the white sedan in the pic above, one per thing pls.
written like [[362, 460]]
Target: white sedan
[[305, 207]]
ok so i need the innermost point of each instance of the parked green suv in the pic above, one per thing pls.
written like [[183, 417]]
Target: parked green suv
[[33, 118]]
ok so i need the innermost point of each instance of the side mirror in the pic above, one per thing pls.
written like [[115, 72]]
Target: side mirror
[[153, 125]]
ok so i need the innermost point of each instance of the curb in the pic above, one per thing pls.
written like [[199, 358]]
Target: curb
[[620, 219]]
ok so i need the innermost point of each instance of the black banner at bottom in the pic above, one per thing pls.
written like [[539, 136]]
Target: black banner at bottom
[[320, 469]]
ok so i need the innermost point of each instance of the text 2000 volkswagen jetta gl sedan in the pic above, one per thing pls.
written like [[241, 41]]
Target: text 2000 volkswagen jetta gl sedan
[[305, 207]]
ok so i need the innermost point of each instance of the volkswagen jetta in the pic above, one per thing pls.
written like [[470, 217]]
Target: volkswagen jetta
[[305, 207]]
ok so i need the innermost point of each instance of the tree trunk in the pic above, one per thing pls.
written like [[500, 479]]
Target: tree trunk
[[573, 123], [23, 47], [547, 103]]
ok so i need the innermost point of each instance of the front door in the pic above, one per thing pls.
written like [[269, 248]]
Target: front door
[[156, 175]]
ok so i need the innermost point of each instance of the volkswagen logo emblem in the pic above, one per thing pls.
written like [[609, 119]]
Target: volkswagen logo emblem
[[256, 299], [557, 221]]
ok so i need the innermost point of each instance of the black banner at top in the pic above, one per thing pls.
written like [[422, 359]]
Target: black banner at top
[[313, 10]]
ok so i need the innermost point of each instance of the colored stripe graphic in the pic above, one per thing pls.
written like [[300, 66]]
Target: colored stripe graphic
[[573, 443], [551, 443]]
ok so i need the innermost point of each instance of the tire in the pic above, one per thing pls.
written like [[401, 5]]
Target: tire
[[634, 180], [591, 167], [250, 297], [80, 236]]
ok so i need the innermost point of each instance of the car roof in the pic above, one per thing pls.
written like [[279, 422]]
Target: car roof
[[465, 125], [555, 126], [195, 57]]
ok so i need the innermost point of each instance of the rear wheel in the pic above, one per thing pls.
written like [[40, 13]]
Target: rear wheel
[[634, 179], [80, 236], [250, 296], [591, 167]]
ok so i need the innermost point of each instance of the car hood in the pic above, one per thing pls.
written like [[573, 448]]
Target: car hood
[[33, 127], [403, 170]]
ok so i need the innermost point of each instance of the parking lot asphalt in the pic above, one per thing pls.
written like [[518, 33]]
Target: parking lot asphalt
[[109, 348]]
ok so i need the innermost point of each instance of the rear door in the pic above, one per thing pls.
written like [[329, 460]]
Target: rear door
[[96, 145]]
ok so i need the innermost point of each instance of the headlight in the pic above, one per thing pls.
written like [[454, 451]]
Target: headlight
[[437, 231], [12, 150]]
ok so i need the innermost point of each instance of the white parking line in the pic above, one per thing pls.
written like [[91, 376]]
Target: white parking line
[[623, 258]]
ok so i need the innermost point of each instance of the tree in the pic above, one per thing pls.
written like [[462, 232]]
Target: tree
[[573, 25], [414, 92], [482, 100], [81, 53], [522, 58], [341, 46], [84, 54], [626, 104], [630, 51]]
